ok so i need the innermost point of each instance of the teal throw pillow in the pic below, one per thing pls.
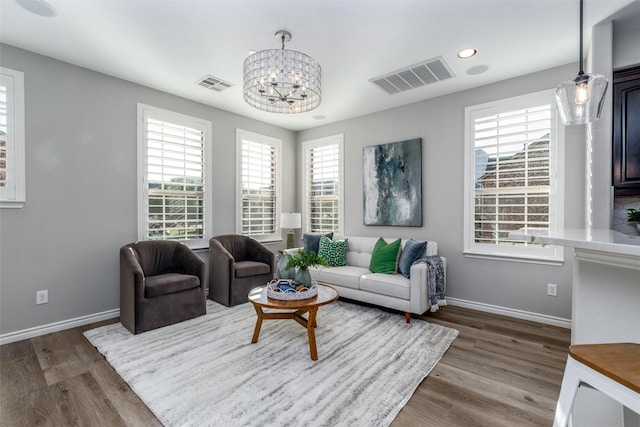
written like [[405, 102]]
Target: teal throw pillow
[[384, 256], [335, 253], [312, 241], [413, 250]]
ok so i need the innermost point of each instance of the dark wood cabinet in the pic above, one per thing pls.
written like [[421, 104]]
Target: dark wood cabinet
[[626, 132]]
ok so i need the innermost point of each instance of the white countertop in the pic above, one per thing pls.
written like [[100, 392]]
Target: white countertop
[[595, 240]]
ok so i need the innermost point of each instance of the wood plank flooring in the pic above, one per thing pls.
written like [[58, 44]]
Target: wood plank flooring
[[500, 371]]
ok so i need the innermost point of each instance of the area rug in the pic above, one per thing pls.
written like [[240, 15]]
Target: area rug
[[206, 372]]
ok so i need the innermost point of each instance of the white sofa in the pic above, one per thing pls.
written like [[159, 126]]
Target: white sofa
[[355, 281]]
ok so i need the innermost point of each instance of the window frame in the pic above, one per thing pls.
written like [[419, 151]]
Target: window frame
[[15, 195], [206, 127], [337, 139], [520, 251], [276, 143]]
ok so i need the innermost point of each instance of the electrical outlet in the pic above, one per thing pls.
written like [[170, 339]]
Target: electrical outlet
[[552, 289], [42, 297]]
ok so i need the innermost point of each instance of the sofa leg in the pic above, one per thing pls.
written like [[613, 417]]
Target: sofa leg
[[407, 317]]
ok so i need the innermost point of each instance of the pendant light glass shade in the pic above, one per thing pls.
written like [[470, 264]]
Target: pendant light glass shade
[[580, 100]]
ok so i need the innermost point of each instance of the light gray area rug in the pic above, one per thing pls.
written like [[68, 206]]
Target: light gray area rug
[[206, 372]]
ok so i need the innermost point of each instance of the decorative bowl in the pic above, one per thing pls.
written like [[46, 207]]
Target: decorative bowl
[[289, 290]]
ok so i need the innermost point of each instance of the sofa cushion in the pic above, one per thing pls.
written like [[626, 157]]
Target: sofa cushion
[[347, 276], [335, 253], [170, 283], [251, 268], [384, 256], [413, 250], [395, 285], [312, 241]]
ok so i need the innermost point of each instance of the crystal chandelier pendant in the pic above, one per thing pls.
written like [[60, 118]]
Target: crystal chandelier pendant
[[282, 80]]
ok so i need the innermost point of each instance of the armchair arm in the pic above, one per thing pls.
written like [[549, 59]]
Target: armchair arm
[[131, 286], [188, 262], [221, 264], [258, 252]]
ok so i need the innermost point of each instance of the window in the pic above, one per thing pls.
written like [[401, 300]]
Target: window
[[258, 185], [12, 139], [173, 166], [512, 179], [322, 209]]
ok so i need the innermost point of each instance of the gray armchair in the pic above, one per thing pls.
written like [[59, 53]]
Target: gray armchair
[[236, 265], [161, 282]]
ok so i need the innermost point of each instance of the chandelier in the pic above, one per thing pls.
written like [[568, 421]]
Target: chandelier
[[281, 80]]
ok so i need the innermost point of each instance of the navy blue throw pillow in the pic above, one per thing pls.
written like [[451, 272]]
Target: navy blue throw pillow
[[412, 251], [312, 241]]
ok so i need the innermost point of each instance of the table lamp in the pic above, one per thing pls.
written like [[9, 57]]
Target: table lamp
[[290, 220]]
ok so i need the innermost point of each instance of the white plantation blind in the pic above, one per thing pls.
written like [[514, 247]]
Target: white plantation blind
[[512, 162], [173, 156], [259, 185], [323, 184], [12, 141], [323, 181]]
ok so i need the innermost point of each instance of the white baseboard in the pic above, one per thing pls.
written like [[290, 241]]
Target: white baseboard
[[511, 312], [57, 326]]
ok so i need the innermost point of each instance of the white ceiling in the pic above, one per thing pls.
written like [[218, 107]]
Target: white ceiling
[[170, 44]]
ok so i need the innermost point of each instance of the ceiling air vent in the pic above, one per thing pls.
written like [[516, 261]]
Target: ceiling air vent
[[424, 73], [213, 83]]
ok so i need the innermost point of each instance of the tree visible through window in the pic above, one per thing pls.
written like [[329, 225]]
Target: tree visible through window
[[511, 174]]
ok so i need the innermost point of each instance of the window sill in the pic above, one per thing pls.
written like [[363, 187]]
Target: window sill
[[514, 258], [11, 205]]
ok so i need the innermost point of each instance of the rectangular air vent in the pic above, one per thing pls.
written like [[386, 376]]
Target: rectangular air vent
[[424, 73], [213, 83]]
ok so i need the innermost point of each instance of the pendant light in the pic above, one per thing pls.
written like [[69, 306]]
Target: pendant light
[[580, 100]]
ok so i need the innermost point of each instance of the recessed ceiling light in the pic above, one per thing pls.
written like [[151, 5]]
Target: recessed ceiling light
[[319, 117], [39, 7], [467, 53]]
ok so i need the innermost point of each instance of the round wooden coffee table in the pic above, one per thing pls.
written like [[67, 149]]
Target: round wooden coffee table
[[259, 299]]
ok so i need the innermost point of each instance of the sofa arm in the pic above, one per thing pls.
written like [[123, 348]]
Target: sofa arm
[[419, 297]]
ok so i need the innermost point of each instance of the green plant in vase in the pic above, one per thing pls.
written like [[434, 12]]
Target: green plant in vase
[[633, 215], [301, 261]]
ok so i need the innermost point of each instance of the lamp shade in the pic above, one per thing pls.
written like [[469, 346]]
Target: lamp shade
[[290, 220], [580, 100]]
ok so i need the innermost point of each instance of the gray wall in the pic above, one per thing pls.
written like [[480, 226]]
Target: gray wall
[[81, 188], [440, 123]]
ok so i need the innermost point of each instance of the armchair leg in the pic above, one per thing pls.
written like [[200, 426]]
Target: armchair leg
[[407, 317]]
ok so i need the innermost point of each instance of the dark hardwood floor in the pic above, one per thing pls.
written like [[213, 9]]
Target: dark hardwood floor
[[500, 371]]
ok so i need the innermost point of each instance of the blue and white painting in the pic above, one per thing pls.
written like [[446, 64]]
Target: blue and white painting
[[393, 183]]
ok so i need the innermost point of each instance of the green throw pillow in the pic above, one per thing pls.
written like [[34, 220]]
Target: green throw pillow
[[335, 253], [384, 256]]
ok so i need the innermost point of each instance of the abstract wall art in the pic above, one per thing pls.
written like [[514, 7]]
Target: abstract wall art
[[393, 183]]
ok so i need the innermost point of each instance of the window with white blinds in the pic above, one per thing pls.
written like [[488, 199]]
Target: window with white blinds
[[512, 175], [173, 168], [259, 185], [12, 140], [322, 174]]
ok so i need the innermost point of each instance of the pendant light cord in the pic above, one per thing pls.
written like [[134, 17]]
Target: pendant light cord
[[581, 57]]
